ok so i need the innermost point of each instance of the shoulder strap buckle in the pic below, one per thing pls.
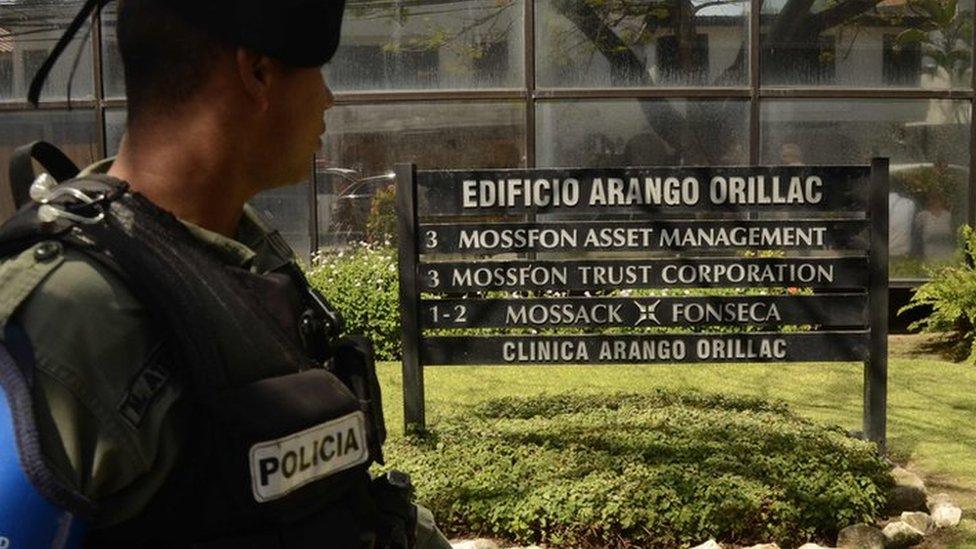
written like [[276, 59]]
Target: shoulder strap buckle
[[78, 200]]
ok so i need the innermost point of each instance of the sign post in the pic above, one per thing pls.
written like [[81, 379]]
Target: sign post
[[413, 372], [808, 244], [876, 367]]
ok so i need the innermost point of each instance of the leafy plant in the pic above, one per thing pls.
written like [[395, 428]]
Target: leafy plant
[[926, 182], [951, 294], [381, 225], [362, 283], [652, 470], [944, 34]]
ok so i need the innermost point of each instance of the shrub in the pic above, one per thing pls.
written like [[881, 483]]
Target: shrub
[[381, 225], [362, 284], [925, 182], [657, 470], [951, 293]]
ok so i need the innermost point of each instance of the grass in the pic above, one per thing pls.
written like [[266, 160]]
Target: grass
[[931, 404]]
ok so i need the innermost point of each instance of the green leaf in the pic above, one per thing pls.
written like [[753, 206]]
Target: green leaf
[[911, 36]]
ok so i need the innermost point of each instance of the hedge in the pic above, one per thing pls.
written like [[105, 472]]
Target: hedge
[[362, 284], [658, 470]]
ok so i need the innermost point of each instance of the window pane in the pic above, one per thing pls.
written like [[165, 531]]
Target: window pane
[[867, 44], [113, 80], [72, 131], [927, 142], [642, 43], [28, 32], [372, 139], [642, 133], [287, 208], [431, 44], [114, 128]]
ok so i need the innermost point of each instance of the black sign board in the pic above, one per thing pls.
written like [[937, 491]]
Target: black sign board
[[548, 258], [647, 191], [646, 349], [636, 236], [645, 312], [616, 274]]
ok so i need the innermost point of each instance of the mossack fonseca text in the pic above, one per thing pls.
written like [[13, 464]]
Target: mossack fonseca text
[[637, 191]]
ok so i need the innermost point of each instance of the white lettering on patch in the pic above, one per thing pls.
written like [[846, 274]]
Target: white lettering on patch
[[282, 465]]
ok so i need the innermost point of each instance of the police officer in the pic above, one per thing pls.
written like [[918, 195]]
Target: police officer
[[167, 377]]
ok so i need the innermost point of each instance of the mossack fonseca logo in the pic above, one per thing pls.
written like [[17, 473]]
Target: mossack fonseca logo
[[282, 465]]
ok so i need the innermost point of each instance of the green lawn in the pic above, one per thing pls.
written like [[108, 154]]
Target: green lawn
[[931, 418]]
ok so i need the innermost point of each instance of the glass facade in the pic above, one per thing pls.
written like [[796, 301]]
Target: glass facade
[[895, 44], [28, 32], [446, 45], [648, 132], [927, 142], [642, 44], [510, 83], [371, 139]]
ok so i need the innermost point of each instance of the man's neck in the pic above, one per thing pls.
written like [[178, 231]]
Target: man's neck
[[190, 173]]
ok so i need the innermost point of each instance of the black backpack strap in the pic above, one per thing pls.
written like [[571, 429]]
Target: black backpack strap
[[21, 168]]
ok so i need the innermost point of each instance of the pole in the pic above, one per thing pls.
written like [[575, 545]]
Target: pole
[[876, 369], [413, 372]]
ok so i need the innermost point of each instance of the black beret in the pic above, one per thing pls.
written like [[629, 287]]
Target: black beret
[[301, 33]]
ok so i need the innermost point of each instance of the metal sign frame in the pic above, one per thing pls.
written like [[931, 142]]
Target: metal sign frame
[[855, 300]]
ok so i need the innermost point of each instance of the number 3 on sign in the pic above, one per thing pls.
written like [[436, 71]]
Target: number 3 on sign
[[435, 279], [431, 239]]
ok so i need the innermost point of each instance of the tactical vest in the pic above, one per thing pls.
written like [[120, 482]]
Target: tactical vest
[[275, 459]]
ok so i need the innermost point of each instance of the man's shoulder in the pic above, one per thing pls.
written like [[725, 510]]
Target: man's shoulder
[[61, 286], [103, 388], [87, 329]]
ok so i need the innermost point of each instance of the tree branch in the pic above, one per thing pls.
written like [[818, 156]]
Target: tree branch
[[790, 22], [706, 5], [617, 52], [841, 13]]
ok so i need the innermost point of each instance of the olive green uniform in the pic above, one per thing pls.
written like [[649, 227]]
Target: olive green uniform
[[111, 420]]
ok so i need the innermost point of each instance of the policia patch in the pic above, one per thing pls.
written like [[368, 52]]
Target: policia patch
[[282, 465]]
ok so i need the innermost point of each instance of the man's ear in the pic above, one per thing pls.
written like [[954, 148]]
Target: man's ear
[[254, 71]]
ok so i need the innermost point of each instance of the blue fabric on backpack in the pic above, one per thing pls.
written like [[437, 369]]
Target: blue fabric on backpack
[[27, 519]]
